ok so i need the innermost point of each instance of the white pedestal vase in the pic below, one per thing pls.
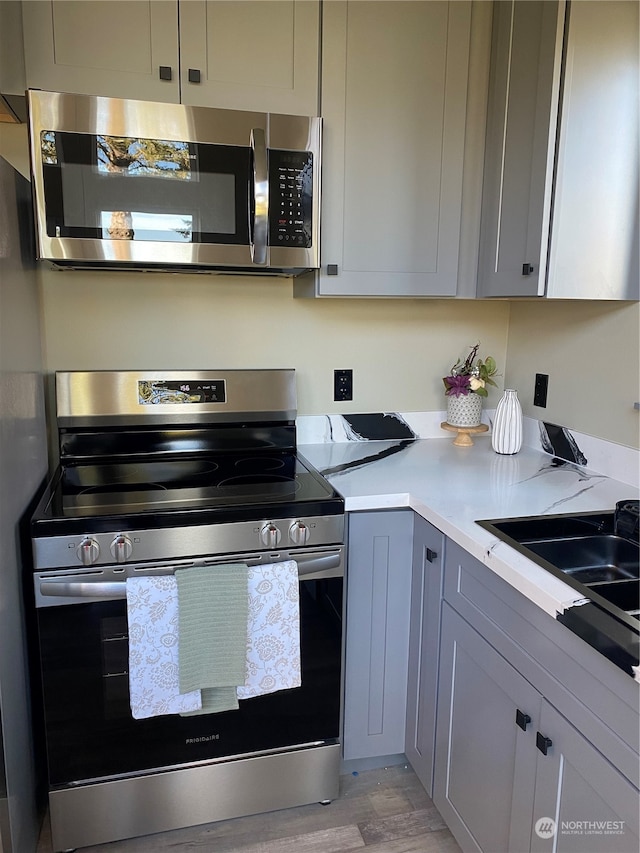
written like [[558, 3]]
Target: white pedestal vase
[[506, 436], [465, 410]]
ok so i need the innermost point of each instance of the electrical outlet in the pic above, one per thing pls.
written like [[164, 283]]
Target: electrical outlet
[[540, 390], [343, 385]]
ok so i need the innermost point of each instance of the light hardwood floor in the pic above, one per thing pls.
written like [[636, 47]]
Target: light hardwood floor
[[378, 811]]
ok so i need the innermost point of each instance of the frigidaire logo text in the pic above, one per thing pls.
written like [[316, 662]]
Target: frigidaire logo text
[[203, 739]]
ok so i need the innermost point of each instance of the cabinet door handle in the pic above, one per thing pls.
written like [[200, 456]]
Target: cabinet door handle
[[432, 556], [193, 75], [527, 269], [543, 743], [166, 72], [522, 720]]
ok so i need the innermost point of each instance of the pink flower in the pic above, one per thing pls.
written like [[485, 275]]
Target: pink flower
[[457, 386]]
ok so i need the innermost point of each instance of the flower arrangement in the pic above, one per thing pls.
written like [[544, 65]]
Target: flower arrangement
[[470, 376]]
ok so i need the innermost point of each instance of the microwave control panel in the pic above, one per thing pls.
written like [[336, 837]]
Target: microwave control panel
[[291, 197]]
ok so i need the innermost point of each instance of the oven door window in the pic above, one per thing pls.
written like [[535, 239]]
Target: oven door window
[[91, 734], [124, 188]]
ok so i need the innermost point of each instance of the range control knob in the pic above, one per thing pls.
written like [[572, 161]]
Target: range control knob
[[299, 533], [270, 535], [121, 548], [88, 551]]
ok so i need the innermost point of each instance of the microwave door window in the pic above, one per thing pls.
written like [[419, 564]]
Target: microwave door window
[[126, 188], [141, 212]]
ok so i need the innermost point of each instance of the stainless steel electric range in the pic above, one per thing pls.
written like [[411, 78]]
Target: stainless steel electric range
[[161, 470]]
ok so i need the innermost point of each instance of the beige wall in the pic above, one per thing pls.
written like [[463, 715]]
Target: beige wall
[[591, 352], [398, 349], [14, 146]]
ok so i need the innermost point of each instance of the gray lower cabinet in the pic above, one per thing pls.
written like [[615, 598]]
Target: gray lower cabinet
[[483, 784], [513, 772], [424, 643], [595, 807], [377, 633]]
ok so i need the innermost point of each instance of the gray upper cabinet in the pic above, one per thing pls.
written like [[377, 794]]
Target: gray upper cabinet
[[103, 48], [523, 104], [395, 95], [559, 209], [260, 56], [594, 236]]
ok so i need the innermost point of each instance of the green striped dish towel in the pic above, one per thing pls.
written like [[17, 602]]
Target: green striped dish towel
[[212, 625]]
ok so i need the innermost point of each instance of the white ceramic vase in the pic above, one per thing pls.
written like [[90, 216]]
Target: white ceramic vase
[[465, 410], [506, 436]]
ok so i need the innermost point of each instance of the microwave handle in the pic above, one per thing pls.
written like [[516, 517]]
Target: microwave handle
[[260, 197]]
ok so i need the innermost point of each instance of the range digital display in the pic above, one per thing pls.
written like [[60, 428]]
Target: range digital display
[[150, 393]]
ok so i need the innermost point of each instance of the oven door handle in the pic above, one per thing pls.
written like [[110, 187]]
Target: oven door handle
[[309, 567], [322, 565], [80, 589]]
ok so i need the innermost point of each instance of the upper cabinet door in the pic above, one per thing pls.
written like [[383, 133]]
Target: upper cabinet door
[[107, 47], [394, 100], [594, 237], [259, 55], [560, 195], [521, 126]]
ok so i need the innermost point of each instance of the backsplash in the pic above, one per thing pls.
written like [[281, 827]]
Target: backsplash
[[605, 457], [373, 426]]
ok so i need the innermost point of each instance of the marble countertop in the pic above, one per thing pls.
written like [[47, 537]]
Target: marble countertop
[[452, 487]]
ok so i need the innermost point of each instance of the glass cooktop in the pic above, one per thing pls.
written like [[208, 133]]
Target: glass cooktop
[[185, 491]]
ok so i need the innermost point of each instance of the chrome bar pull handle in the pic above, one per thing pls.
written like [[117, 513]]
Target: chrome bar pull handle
[[260, 196]]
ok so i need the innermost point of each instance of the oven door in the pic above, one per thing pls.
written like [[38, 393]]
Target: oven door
[[90, 731]]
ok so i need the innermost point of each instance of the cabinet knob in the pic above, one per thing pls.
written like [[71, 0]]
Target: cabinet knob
[[527, 269], [432, 556], [194, 75], [332, 269], [522, 720], [166, 72], [543, 743]]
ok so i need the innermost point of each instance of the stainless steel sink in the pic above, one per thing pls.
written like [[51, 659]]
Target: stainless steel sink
[[588, 553], [590, 559], [584, 551]]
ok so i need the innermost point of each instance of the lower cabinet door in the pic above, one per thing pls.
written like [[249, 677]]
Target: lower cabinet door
[[485, 743], [377, 633], [582, 804], [424, 645]]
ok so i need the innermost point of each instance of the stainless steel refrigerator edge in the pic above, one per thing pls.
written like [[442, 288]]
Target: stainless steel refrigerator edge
[[23, 466]]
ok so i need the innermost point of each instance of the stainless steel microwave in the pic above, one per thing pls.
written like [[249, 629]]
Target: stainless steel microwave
[[140, 185]]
